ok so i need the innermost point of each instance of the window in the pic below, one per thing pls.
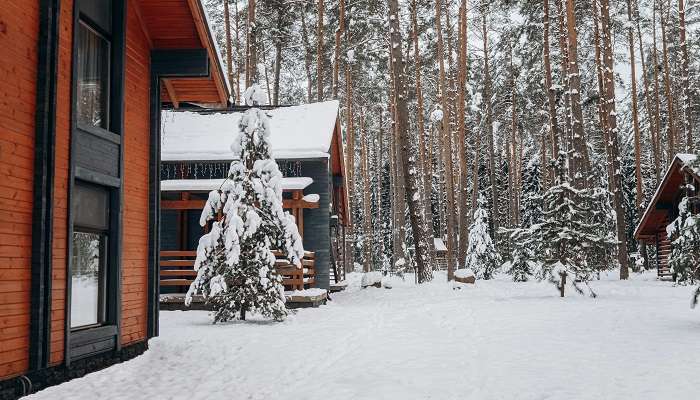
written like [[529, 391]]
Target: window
[[92, 78], [89, 254]]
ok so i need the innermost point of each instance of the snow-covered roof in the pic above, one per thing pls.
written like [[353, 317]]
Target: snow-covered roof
[[297, 132], [439, 244], [687, 158], [206, 185]]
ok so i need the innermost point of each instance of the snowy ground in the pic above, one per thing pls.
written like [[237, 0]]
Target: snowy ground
[[497, 340]]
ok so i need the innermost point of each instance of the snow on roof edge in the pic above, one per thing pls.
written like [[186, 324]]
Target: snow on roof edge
[[205, 185], [297, 132]]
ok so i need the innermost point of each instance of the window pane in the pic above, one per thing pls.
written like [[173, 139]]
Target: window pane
[[86, 279], [93, 78], [90, 206]]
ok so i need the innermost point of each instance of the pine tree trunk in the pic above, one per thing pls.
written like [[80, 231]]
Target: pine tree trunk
[[551, 93], [229, 56], [464, 210], [564, 60], [657, 91], [366, 191], [319, 53], [237, 86], [423, 263], [635, 108], [489, 125], [446, 146], [671, 127], [349, 152], [251, 75], [611, 117], [423, 156], [685, 81], [578, 164], [307, 56], [278, 61], [336, 55], [513, 150], [653, 127], [602, 115]]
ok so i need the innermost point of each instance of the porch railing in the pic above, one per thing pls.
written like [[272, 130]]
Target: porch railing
[[177, 271]]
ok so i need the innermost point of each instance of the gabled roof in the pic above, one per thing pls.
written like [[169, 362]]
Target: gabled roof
[[184, 24], [298, 132], [657, 209]]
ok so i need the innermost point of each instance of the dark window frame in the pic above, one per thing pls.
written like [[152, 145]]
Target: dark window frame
[[84, 21], [88, 165]]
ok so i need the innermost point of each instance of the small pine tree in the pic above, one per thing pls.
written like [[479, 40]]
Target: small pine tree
[[570, 237], [235, 262], [531, 197], [521, 266], [685, 246], [482, 256]]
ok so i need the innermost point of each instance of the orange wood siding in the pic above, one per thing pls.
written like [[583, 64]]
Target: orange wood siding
[[136, 153], [18, 41]]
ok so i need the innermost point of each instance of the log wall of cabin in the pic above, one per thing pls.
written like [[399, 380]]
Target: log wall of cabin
[[17, 121], [317, 237], [18, 69], [136, 156]]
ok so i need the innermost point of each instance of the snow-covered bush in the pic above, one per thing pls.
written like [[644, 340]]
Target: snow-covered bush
[[235, 261], [482, 256]]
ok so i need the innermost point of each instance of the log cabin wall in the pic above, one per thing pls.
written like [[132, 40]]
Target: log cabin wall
[[18, 80], [136, 150], [317, 236], [18, 69]]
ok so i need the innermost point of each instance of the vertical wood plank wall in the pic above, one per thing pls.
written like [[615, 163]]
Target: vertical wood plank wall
[[19, 37], [136, 152], [18, 68]]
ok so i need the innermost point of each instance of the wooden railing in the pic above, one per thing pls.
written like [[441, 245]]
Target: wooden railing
[[177, 271]]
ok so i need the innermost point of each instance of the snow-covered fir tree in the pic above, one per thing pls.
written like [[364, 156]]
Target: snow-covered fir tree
[[684, 232], [235, 260], [570, 238], [531, 198], [482, 257]]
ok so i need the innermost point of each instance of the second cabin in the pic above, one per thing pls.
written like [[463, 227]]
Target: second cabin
[[306, 143], [663, 209]]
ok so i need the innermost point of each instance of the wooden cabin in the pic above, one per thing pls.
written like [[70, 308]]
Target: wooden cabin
[[82, 83], [307, 145], [663, 209], [440, 253]]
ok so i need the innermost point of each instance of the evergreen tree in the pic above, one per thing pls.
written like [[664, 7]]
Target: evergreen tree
[[531, 198], [570, 237], [685, 246], [235, 260], [482, 256]]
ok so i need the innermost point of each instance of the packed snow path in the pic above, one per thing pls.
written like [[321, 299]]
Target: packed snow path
[[497, 340]]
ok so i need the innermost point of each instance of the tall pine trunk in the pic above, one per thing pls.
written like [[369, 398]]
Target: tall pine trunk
[[446, 146], [611, 117], [336, 55], [464, 209], [685, 80], [578, 164], [420, 123], [551, 92], [319, 53], [489, 123], [671, 125], [423, 262]]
